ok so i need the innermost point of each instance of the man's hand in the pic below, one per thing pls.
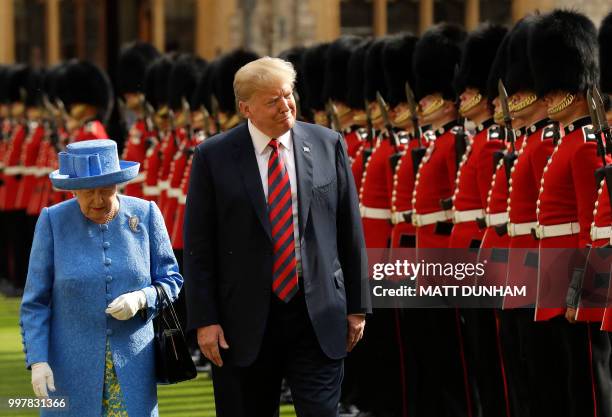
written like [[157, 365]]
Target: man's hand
[[209, 340], [356, 326], [570, 314]]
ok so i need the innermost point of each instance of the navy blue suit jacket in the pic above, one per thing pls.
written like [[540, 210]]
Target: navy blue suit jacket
[[228, 249]]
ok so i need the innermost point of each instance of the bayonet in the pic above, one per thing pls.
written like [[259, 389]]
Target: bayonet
[[332, 116], [187, 116], [603, 121], [384, 111], [601, 152], [214, 103], [412, 106], [503, 98]]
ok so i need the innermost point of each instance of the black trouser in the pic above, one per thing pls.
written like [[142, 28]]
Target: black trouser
[[484, 362], [439, 346], [18, 232], [381, 385], [290, 349]]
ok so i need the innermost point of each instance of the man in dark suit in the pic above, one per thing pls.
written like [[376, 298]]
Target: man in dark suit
[[275, 262]]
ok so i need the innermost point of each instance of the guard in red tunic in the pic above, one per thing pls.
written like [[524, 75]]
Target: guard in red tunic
[[133, 62], [156, 96], [16, 87], [436, 54], [601, 218], [400, 48], [481, 336], [567, 42], [356, 99], [184, 76], [87, 96], [375, 190], [435, 57]]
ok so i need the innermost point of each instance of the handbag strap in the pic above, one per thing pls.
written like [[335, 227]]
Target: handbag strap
[[167, 307]]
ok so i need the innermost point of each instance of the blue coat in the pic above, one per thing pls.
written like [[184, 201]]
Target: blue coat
[[76, 269]]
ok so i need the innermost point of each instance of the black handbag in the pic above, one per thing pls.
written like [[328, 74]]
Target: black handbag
[[173, 362]]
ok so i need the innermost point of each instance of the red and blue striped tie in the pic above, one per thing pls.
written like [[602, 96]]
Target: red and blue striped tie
[[285, 280]]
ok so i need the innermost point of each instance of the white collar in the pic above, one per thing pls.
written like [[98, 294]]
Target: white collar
[[261, 140]]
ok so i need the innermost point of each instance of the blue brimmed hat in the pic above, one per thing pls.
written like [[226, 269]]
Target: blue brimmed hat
[[92, 164]]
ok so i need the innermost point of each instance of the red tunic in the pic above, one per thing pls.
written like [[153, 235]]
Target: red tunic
[[375, 193], [151, 168], [435, 181], [136, 150], [93, 129], [523, 196], [169, 147], [32, 146], [567, 195], [468, 195], [175, 177], [403, 233], [12, 168], [354, 139], [357, 165]]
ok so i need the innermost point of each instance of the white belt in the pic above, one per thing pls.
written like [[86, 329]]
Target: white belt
[[164, 185], [174, 192], [467, 215], [521, 229], [31, 170], [431, 218], [398, 217], [555, 230], [496, 219], [13, 170], [150, 190], [374, 213], [603, 232], [182, 199]]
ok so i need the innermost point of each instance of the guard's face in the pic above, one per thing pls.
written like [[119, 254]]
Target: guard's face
[[97, 203], [272, 110]]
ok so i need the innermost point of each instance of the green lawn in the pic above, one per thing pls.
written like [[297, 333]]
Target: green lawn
[[192, 399]]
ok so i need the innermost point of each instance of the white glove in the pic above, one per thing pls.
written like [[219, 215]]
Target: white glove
[[42, 377], [126, 305]]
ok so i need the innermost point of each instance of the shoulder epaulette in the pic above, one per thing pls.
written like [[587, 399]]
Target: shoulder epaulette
[[589, 133], [496, 132]]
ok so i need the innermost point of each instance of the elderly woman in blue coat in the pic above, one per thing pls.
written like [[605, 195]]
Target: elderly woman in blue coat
[[93, 264]]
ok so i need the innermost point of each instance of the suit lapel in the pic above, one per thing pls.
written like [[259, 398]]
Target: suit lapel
[[247, 163], [303, 163]]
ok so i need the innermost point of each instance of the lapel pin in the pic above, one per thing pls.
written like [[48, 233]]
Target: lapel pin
[[306, 149], [133, 222]]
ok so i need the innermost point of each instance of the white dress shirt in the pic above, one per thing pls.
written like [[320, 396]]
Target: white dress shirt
[[262, 153]]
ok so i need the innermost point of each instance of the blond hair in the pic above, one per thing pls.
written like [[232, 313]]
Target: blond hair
[[261, 74]]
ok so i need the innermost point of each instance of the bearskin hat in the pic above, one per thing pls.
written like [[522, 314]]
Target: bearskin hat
[[183, 79], [336, 65], [519, 75], [356, 76], [82, 82], [294, 55], [479, 52], [436, 54], [563, 52], [156, 81], [314, 75], [134, 59], [201, 94], [17, 82], [225, 70], [34, 88], [498, 68], [374, 72], [397, 66], [5, 71], [605, 53]]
